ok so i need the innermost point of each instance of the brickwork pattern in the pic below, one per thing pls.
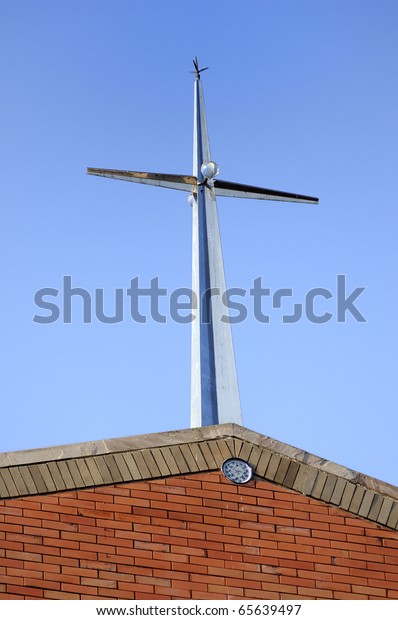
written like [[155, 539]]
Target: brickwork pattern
[[191, 537]]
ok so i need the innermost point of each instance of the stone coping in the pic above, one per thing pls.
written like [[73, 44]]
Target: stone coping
[[143, 457]]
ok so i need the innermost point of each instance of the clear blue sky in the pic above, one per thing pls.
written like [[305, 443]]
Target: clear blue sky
[[301, 96]]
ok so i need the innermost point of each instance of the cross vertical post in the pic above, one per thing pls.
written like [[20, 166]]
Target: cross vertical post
[[214, 387]]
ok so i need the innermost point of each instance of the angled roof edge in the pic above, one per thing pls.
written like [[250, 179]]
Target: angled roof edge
[[145, 457]]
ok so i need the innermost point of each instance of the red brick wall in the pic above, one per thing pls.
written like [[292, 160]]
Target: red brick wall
[[192, 537]]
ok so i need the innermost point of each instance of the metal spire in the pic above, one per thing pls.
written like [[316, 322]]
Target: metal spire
[[214, 386]]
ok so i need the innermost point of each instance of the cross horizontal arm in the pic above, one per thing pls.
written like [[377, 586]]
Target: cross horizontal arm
[[172, 181], [237, 190]]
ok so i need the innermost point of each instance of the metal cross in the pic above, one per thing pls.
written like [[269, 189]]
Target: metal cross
[[214, 387]]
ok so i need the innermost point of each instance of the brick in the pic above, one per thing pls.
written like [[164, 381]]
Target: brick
[[26, 557], [225, 572], [278, 587], [350, 562], [332, 569], [42, 549], [151, 563], [241, 531], [40, 531], [223, 521], [182, 499], [192, 569], [326, 518], [364, 540], [43, 567], [10, 597], [137, 536], [80, 589], [348, 579], [24, 521], [237, 583], [229, 590], [97, 548], [206, 511], [347, 529], [25, 591], [309, 524], [221, 504], [78, 537], [41, 583], [78, 520], [188, 483], [152, 546], [255, 509], [51, 594], [27, 538], [63, 579], [66, 504], [272, 520], [298, 581], [389, 576], [10, 545], [121, 524], [221, 539], [259, 577], [316, 593], [133, 569], [41, 514], [96, 514], [190, 533], [204, 578], [10, 563], [59, 525], [99, 583], [383, 583], [357, 589], [350, 596], [261, 595], [282, 501], [152, 512], [153, 581], [73, 553], [369, 557], [207, 562], [308, 558], [13, 509], [335, 586], [106, 566], [131, 518], [390, 567], [9, 527], [190, 550], [208, 544], [12, 580], [177, 592], [62, 544], [387, 551]]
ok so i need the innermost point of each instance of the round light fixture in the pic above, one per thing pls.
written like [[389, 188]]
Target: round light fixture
[[237, 470], [209, 169]]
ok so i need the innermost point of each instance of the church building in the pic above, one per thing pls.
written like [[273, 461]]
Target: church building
[[217, 512]]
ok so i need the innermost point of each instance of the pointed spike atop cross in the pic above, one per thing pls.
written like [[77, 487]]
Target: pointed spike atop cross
[[197, 70]]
